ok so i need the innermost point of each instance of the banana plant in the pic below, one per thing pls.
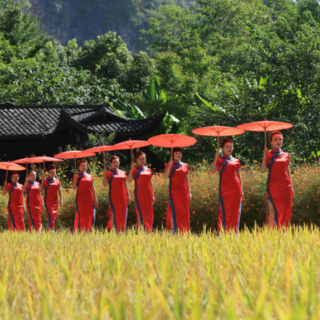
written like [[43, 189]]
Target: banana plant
[[125, 110], [155, 91], [205, 101]]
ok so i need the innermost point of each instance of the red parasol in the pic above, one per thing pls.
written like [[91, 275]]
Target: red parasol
[[10, 166], [27, 160], [218, 131], [74, 154], [45, 159], [103, 149], [265, 126], [131, 144], [172, 140]]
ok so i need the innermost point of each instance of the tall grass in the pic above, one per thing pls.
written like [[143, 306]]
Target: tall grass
[[261, 274], [205, 202]]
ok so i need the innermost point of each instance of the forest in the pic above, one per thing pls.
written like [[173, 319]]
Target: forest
[[212, 62]]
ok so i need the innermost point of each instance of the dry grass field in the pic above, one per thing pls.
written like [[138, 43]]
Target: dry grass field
[[261, 274]]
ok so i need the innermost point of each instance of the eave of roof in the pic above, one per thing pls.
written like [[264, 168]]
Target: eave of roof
[[73, 116]]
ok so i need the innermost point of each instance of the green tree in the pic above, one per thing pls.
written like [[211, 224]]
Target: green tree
[[250, 60], [35, 68], [109, 58]]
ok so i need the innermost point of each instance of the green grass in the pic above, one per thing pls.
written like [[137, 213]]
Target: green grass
[[259, 275]]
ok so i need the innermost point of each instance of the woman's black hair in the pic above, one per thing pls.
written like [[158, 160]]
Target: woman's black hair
[[13, 173], [113, 157], [273, 133], [225, 141], [140, 153], [31, 171], [51, 166], [177, 149], [82, 161]]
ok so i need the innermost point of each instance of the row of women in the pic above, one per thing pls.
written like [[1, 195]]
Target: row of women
[[279, 193]]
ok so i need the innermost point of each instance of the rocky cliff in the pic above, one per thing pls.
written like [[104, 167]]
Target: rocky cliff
[[86, 19]]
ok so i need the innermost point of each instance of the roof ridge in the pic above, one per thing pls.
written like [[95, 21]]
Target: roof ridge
[[10, 105]]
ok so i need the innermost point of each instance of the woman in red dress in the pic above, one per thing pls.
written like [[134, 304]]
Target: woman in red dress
[[118, 195], [34, 201], [51, 187], [15, 204], [86, 199], [279, 186], [230, 187], [143, 191], [178, 215]]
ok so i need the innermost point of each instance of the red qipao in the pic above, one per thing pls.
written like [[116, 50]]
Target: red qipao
[[279, 188], [117, 199], [51, 187], [230, 194], [15, 207], [34, 206], [178, 206], [85, 210], [143, 195]]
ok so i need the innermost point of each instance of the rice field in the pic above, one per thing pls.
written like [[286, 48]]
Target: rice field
[[262, 274]]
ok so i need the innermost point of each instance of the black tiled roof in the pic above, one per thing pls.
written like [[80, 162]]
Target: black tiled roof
[[35, 121]]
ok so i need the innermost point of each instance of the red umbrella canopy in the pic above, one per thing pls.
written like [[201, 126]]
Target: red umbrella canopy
[[28, 160], [217, 131], [102, 148], [46, 159], [131, 144], [74, 154], [172, 140], [265, 126], [10, 166]]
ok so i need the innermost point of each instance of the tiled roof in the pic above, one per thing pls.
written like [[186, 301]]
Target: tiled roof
[[33, 121]]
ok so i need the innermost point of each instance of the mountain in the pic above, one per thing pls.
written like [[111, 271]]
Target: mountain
[[86, 19]]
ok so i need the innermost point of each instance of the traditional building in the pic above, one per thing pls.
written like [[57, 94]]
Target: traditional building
[[38, 130]]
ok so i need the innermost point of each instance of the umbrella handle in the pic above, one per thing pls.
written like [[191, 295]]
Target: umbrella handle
[[131, 155], [7, 175], [43, 167], [104, 159], [265, 138], [75, 164], [27, 167], [218, 142], [172, 150]]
